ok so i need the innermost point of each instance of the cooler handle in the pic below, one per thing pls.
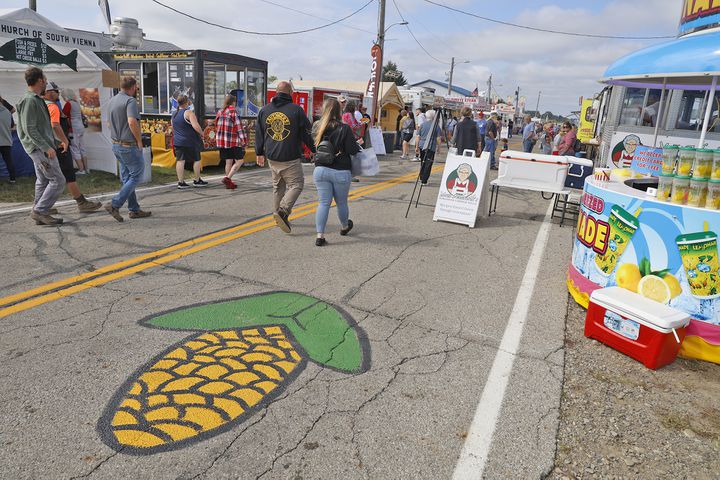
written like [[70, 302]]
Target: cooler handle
[[677, 339]]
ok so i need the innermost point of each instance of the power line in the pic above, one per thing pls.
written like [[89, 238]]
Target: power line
[[558, 32], [415, 38], [313, 16], [249, 32]]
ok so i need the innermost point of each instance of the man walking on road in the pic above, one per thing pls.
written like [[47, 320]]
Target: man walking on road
[[127, 147], [281, 129], [36, 136], [528, 133], [61, 128], [481, 129]]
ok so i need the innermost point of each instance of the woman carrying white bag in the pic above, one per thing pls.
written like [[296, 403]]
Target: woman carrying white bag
[[335, 144]]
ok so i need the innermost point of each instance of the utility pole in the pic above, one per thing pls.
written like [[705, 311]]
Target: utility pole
[[33, 5], [381, 43], [517, 102], [452, 67], [489, 91], [537, 107]]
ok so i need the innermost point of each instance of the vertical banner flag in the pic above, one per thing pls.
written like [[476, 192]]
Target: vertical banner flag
[[373, 89], [587, 124], [105, 8]]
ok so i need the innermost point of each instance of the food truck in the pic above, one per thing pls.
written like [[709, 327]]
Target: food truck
[[203, 75], [311, 98], [649, 222]]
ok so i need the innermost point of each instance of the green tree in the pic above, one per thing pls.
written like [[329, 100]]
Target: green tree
[[272, 79], [390, 73]]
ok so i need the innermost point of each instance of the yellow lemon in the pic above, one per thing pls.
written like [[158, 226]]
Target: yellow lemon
[[628, 276], [654, 288], [674, 285]]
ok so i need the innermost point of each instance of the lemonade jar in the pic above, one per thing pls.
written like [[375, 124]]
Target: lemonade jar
[[685, 163], [703, 164], [699, 254], [713, 196], [697, 196], [665, 182], [680, 189], [622, 228], [716, 165], [670, 153]]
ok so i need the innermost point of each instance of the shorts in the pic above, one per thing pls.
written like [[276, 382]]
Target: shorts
[[407, 137], [187, 154], [66, 165], [233, 153]]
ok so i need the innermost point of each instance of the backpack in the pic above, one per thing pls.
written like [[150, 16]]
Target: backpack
[[325, 153], [577, 146]]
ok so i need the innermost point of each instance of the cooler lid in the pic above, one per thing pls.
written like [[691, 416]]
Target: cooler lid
[[639, 308]]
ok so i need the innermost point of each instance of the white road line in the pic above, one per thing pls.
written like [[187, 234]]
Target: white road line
[[475, 452]]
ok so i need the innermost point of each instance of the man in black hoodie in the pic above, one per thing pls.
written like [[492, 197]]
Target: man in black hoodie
[[282, 127]]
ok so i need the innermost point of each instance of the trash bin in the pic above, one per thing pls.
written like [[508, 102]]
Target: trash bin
[[147, 172], [389, 140]]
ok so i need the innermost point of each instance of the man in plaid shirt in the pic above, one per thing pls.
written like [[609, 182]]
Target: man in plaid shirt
[[230, 139]]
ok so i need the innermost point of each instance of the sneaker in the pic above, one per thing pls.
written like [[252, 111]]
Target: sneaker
[[80, 172], [415, 159], [355, 179], [347, 229], [12, 181], [319, 242], [281, 219], [402, 157], [114, 212], [86, 206], [229, 184], [200, 183], [139, 214], [44, 219], [183, 186], [53, 211]]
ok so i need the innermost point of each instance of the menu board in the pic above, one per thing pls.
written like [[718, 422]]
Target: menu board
[[182, 79]]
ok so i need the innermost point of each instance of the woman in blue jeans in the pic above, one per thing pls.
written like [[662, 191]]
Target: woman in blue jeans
[[332, 168]]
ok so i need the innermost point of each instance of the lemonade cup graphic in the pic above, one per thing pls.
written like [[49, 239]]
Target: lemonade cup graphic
[[622, 227], [699, 254]]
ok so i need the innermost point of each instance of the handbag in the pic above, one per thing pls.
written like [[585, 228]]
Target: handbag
[[365, 163]]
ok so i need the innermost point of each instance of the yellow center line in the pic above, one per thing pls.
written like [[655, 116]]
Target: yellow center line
[[147, 256], [159, 257]]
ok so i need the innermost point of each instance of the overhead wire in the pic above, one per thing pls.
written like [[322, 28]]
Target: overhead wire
[[269, 2], [415, 38], [545, 30], [250, 32]]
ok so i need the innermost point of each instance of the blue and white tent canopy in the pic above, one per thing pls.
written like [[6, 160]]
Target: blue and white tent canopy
[[688, 62]]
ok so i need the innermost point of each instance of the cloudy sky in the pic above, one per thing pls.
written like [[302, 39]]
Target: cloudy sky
[[562, 67]]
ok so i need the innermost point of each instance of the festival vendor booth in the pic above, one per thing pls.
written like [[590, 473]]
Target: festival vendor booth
[[28, 38], [658, 235], [390, 100], [311, 98], [206, 77]]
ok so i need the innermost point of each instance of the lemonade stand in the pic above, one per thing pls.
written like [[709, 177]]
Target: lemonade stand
[[658, 235]]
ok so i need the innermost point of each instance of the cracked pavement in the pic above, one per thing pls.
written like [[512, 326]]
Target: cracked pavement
[[432, 298]]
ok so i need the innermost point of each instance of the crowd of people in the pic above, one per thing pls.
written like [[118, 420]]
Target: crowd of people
[[52, 135]]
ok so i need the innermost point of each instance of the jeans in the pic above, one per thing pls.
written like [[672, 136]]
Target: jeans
[[132, 167], [490, 147], [528, 145], [6, 154], [49, 181], [331, 184], [288, 182]]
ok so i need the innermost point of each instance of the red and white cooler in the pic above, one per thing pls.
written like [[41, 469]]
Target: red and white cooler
[[643, 329]]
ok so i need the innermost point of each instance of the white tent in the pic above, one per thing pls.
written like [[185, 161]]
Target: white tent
[[88, 77]]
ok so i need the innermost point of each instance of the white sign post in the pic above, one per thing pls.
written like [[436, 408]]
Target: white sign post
[[376, 140], [463, 187]]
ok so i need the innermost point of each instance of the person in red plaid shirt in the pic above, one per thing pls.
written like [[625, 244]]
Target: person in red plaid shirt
[[231, 140]]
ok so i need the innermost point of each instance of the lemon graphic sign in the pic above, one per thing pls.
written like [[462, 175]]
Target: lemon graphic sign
[[242, 355], [277, 125]]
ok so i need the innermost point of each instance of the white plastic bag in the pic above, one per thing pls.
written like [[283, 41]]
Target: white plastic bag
[[365, 163]]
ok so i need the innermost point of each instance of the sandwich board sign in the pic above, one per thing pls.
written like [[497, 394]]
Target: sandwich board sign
[[464, 181]]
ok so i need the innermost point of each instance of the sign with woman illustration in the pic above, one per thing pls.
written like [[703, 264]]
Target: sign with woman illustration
[[464, 179]]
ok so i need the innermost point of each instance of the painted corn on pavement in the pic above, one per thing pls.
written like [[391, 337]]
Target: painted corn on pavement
[[403, 321]]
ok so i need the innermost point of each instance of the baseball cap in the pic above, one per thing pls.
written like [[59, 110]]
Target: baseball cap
[[52, 86]]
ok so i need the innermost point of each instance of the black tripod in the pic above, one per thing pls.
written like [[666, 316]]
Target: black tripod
[[427, 157]]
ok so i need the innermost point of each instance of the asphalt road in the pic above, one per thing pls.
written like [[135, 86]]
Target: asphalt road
[[154, 348]]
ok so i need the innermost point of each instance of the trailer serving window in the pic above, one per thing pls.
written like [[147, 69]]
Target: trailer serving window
[[255, 92], [692, 109], [640, 107]]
